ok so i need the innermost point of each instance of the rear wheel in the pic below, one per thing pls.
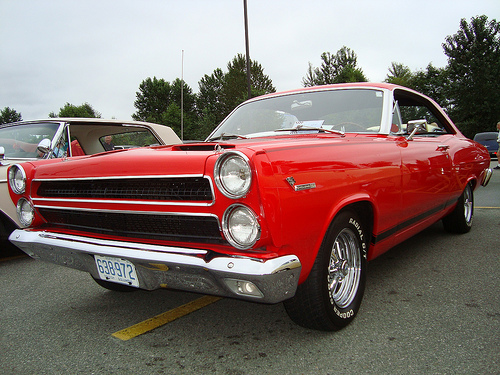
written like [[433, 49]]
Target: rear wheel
[[460, 219], [331, 296]]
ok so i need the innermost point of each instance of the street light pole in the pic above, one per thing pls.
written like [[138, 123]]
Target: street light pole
[[248, 50], [182, 97]]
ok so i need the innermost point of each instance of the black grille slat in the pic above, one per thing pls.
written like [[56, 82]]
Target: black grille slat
[[153, 226], [161, 189]]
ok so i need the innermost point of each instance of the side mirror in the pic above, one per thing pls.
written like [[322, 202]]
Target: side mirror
[[416, 127], [44, 147], [2, 153]]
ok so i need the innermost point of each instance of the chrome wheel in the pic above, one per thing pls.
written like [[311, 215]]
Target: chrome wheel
[[330, 297], [460, 219], [468, 204], [344, 269]]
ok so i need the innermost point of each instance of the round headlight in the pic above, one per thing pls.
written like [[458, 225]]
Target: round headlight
[[17, 179], [233, 175], [240, 226], [25, 212]]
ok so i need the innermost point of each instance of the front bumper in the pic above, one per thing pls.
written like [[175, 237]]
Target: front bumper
[[169, 267]]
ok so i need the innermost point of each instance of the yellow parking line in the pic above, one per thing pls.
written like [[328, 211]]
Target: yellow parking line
[[166, 317], [12, 258], [486, 207]]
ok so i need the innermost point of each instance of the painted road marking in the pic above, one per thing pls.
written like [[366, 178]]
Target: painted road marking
[[166, 317], [13, 258]]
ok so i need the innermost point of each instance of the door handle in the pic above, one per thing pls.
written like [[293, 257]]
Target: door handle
[[443, 148]]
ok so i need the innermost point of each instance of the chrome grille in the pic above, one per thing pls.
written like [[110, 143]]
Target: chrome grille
[[161, 189], [170, 227]]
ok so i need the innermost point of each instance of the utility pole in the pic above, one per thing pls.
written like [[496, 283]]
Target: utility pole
[[182, 97], [248, 50]]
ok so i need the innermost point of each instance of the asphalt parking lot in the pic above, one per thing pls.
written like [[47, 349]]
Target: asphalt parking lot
[[431, 306]]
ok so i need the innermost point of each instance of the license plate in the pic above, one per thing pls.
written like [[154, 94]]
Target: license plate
[[116, 270]]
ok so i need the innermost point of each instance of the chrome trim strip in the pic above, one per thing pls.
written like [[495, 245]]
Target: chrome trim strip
[[301, 187], [165, 266], [145, 202], [121, 177]]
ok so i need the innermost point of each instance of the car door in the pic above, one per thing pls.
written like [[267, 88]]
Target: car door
[[426, 166]]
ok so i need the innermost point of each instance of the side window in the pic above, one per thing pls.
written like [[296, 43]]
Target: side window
[[417, 110], [397, 123], [76, 148], [128, 140], [61, 148]]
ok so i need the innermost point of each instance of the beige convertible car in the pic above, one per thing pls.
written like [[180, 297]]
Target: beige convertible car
[[66, 137]]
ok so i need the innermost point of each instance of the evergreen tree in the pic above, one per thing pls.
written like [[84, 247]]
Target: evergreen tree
[[8, 115], [474, 74], [339, 68], [71, 110]]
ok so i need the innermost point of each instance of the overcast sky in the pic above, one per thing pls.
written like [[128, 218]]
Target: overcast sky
[[99, 51]]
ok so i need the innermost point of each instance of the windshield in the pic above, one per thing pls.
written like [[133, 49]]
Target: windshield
[[347, 110], [21, 141]]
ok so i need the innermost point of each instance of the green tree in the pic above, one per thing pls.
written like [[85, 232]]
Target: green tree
[[152, 100], [221, 92], [339, 68], [209, 100], [8, 115], [433, 82], [399, 74], [70, 110], [474, 74], [159, 101]]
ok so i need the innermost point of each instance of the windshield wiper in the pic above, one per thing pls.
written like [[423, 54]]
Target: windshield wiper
[[301, 127], [227, 136]]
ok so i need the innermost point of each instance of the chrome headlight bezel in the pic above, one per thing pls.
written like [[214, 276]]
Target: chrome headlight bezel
[[17, 179], [231, 224], [25, 212], [233, 174]]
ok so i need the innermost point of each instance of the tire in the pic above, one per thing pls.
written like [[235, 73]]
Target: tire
[[460, 219], [115, 287], [330, 297]]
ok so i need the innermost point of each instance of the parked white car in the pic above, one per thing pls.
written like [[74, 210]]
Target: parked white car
[[66, 137]]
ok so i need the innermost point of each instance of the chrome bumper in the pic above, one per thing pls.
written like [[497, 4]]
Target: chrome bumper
[[170, 267], [488, 172]]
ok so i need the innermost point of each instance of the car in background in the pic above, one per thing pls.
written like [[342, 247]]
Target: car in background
[[62, 138], [286, 201], [488, 140]]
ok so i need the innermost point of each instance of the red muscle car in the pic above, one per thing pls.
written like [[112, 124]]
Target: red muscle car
[[286, 200]]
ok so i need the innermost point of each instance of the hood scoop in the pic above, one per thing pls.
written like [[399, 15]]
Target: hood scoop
[[202, 146]]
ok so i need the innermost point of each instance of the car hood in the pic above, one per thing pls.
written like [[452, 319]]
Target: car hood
[[185, 159]]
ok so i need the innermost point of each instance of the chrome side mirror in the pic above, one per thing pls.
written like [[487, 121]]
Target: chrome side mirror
[[2, 156], [44, 147], [414, 127]]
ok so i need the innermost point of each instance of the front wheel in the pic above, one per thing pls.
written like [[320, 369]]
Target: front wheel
[[460, 219], [331, 296]]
